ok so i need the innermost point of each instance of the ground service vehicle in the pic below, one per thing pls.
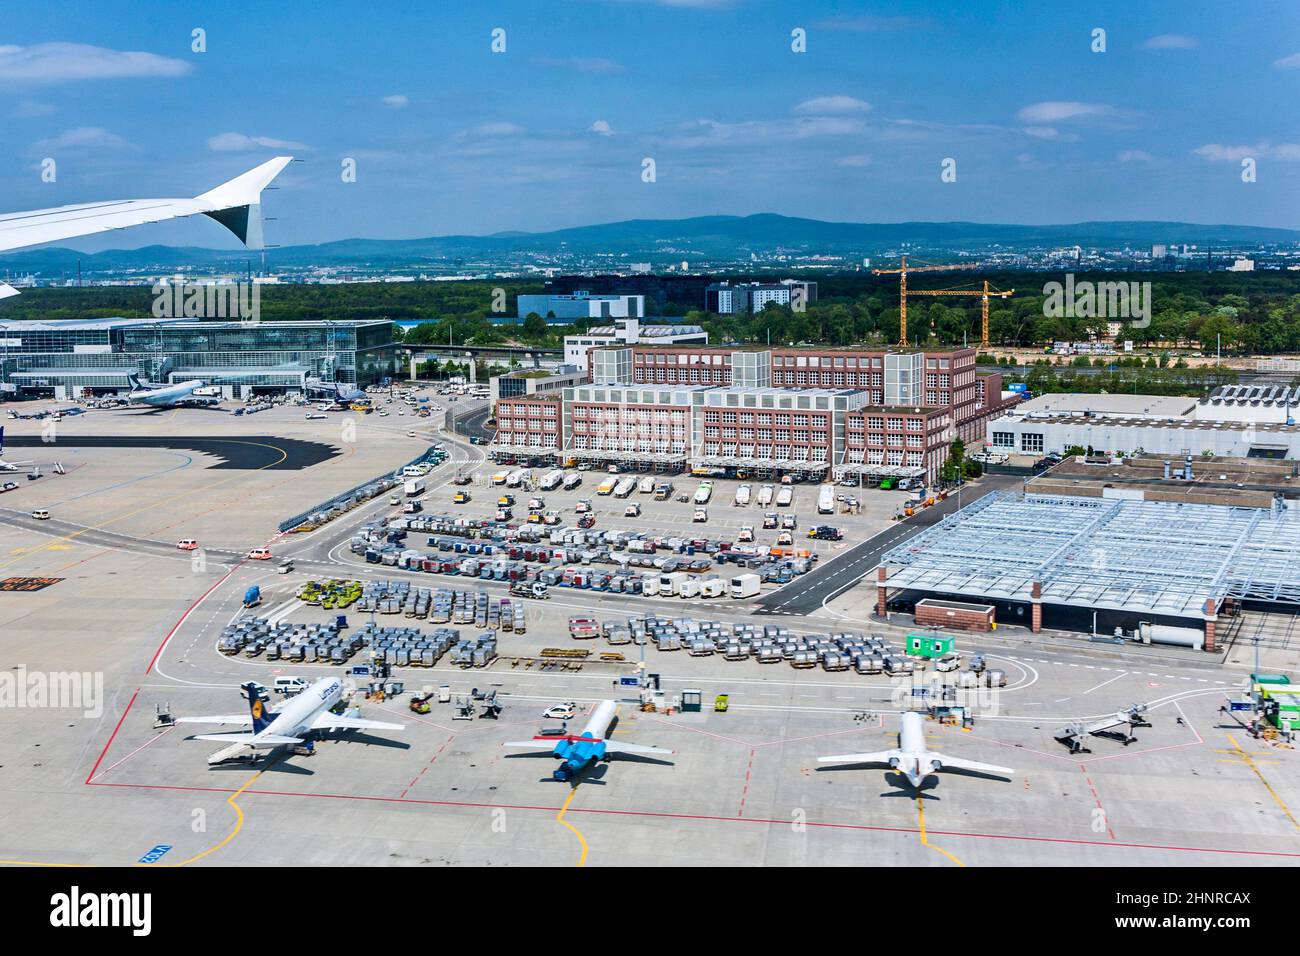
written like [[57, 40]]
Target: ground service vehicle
[[826, 500], [746, 585]]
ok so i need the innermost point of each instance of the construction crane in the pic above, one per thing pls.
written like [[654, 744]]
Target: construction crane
[[902, 272], [984, 295]]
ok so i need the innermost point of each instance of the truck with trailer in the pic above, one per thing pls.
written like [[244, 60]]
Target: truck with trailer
[[746, 585], [551, 480], [625, 487], [785, 497], [413, 487], [826, 500]]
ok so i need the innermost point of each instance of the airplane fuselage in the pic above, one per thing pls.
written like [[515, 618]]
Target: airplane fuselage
[[165, 397], [296, 717], [589, 746]]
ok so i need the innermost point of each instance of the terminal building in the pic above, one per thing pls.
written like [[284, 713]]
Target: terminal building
[[68, 359]]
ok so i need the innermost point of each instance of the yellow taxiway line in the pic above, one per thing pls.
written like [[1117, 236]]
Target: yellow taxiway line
[[559, 818], [925, 841]]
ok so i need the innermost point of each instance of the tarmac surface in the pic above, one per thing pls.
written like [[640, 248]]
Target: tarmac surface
[[89, 779], [251, 453]]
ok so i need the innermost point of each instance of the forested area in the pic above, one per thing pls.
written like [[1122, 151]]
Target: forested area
[[1255, 313]]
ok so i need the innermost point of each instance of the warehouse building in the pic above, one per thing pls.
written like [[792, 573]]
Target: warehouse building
[[70, 358], [1100, 563], [1129, 424]]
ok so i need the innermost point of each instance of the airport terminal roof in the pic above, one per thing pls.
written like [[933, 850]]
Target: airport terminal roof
[[1153, 556]]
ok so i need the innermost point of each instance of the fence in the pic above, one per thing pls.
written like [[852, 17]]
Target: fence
[[365, 491]]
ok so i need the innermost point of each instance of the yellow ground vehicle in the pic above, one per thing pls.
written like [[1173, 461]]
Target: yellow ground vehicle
[[362, 407], [721, 703], [460, 497]]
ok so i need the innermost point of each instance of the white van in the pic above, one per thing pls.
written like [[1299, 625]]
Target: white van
[[413, 471], [290, 685]]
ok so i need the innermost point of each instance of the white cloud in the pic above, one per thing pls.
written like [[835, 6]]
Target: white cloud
[[500, 128], [1054, 111], [85, 137], [1220, 153], [65, 62], [855, 162], [601, 128], [28, 109], [583, 64], [832, 106], [869, 24], [1135, 156], [1042, 132], [397, 101], [827, 126], [1291, 62], [1171, 41], [240, 143]]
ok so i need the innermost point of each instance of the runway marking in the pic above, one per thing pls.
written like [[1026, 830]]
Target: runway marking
[[1250, 762], [744, 793], [559, 818], [1105, 682], [920, 813]]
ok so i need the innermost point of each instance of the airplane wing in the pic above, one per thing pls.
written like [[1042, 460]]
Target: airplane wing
[[235, 204], [538, 745], [328, 721], [880, 756], [623, 747], [253, 740], [245, 720], [949, 763]]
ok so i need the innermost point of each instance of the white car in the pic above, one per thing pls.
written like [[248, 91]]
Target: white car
[[561, 711], [700, 515], [40, 514]]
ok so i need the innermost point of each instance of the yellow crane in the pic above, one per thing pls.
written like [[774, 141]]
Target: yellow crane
[[902, 272], [985, 294]]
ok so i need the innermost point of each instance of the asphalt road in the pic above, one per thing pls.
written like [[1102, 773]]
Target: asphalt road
[[809, 593]]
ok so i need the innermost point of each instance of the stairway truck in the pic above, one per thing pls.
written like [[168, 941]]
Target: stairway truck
[[745, 585], [826, 500], [253, 596]]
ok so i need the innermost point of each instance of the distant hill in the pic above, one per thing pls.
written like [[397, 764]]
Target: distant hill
[[662, 240]]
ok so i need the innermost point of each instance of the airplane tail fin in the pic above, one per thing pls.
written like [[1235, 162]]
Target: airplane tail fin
[[257, 707], [237, 204], [6, 290], [133, 380]]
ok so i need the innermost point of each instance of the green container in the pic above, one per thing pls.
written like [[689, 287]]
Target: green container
[[929, 646]]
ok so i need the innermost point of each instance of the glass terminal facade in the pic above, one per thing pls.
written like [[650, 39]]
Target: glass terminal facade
[[69, 358]]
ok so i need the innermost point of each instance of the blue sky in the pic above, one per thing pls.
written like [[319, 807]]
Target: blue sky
[[450, 137]]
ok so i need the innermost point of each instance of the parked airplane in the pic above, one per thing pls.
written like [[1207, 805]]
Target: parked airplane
[[912, 760], [292, 721], [236, 204], [167, 396], [333, 391], [9, 465], [588, 747]]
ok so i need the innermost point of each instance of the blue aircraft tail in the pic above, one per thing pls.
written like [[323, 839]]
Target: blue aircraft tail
[[257, 706], [134, 381]]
